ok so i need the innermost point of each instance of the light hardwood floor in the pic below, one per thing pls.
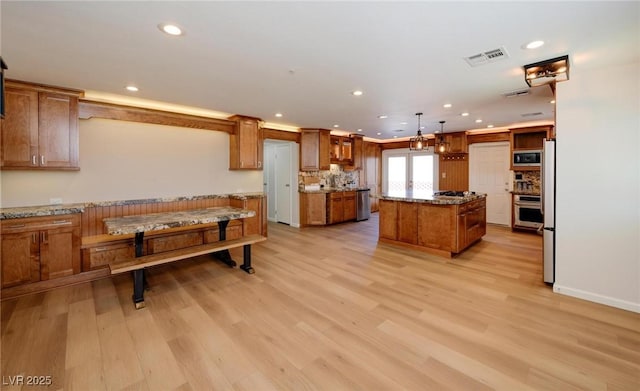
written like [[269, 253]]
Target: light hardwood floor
[[328, 309]]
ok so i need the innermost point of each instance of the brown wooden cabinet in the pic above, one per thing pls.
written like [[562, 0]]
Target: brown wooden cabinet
[[335, 207], [313, 208], [388, 222], [472, 223], [245, 144], [530, 138], [357, 147], [40, 248], [457, 142], [40, 128], [97, 257], [349, 205], [341, 151], [438, 228], [314, 149]]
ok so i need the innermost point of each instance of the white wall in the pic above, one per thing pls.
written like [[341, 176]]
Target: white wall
[[122, 160], [598, 186]]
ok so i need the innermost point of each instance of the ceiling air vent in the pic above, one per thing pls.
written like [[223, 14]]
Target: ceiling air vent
[[531, 114], [487, 57], [516, 93]]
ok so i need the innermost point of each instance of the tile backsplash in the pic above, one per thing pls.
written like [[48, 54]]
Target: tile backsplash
[[530, 182], [335, 177]]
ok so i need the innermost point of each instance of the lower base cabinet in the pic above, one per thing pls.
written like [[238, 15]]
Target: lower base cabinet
[[40, 248], [448, 229], [327, 208]]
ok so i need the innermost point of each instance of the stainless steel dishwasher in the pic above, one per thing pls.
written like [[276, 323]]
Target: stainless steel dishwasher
[[362, 205]]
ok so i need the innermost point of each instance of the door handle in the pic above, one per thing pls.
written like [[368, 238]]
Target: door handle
[[287, 185]]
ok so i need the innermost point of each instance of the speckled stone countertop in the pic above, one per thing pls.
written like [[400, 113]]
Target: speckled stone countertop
[[52, 210], [333, 189], [160, 221], [45, 210], [429, 198]]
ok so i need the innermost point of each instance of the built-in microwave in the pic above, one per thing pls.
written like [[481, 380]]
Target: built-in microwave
[[530, 157]]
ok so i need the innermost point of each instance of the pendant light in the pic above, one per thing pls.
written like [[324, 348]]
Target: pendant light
[[418, 143], [442, 146]]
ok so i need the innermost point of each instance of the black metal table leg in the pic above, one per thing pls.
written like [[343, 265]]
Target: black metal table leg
[[246, 265], [139, 279], [224, 255]]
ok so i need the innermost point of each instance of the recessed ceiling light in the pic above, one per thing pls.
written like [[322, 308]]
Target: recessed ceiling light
[[378, 133], [552, 101], [336, 126], [170, 29], [534, 44], [278, 115], [489, 126], [447, 105], [383, 116], [478, 121], [359, 130], [465, 114], [132, 88], [395, 136], [356, 93]]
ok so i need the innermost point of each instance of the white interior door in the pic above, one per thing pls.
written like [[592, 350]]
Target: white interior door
[[489, 173], [269, 183], [283, 183]]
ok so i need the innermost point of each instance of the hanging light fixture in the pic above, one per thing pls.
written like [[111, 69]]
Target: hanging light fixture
[[442, 146], [418, 143], [547, 72]]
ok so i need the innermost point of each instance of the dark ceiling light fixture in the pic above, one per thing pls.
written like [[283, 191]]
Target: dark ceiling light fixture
[[418, 143], [442, 146], [547, 72]]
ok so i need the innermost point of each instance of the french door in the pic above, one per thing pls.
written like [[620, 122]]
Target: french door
[[405, 170]]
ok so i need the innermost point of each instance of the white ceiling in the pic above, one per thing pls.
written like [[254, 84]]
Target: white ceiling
[[304, 58]]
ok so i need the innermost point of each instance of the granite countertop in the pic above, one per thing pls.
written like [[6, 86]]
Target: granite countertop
[[44, 210], [63, 209], [334, 189], [429, 198], [161, 221]]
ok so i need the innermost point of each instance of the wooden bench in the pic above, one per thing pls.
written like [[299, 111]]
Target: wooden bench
[[221, 249]]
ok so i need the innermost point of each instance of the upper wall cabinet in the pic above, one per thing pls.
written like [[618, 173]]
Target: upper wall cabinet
[[457, 142], [357, 150], [341, 150], [245, 144], [314, 149], [40, 128]]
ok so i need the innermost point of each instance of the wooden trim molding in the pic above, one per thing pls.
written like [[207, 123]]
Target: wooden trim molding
[[25, 85], [92, 109], [275, 134], [487, 137]]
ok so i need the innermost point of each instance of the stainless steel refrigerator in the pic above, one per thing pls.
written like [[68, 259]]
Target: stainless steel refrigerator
[[548, 205]]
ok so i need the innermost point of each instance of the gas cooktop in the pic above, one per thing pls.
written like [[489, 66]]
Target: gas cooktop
[[449, 193]]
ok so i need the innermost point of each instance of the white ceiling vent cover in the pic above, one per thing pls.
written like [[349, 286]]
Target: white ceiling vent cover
[[516, 93], [531, 114], [487, 57]]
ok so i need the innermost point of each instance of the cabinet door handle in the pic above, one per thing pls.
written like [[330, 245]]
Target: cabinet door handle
[[33, 160], [34, 238], [259, 164], [17, 226], [43, 237], [42, 160], [101, 249]]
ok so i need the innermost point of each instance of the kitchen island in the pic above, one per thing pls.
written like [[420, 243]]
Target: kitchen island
[[438, 224]]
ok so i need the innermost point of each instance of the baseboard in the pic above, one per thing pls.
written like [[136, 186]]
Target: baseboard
[[294, 225], [596, 298], [272, 219]]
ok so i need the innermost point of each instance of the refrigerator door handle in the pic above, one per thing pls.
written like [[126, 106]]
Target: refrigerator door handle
[[542, 183]]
